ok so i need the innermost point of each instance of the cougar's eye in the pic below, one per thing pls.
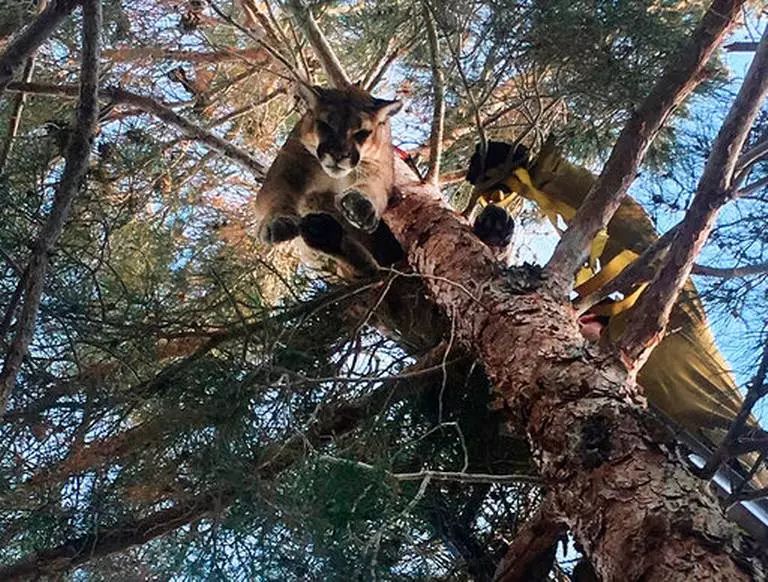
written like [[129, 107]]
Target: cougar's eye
[[362, 135]]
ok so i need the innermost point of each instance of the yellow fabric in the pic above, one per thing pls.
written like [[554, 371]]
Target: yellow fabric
[[685, 377]]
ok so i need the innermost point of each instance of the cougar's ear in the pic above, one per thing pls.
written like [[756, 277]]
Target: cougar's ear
[[385, 108], [310, 94]]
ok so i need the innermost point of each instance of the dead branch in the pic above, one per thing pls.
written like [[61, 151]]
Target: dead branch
[[331, 64], [683, 75], [533, 543], [26, 43], [716, 187], [162, 112], [438, 108], [76, 164]]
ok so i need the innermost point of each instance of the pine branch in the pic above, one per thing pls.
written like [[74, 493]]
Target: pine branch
[[162, 112], [24, 45], [683, 75], [716, 187], [76, 164]]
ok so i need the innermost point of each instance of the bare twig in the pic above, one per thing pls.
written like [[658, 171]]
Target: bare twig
[[76, 156], [162, 112], [331, 64], [683, 74], [438, 109], [715, 188], [25, 44]]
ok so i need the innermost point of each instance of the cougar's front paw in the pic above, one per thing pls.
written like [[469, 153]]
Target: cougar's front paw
[[494, 226], [321, 232], [279, 229], [359, 211]]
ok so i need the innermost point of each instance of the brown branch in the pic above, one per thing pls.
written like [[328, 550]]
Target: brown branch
[[76, 164], [331, 64], [162, 112], [26, 43], [438, 109], [533, 544], [683, 75], [647, 323]]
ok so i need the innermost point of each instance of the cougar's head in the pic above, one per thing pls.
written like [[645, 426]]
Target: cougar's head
[[344, 125]]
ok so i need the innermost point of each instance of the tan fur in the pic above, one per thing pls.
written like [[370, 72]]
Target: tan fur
[[298, 184]]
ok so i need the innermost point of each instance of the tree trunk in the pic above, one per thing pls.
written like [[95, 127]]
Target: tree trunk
[[636, 512]]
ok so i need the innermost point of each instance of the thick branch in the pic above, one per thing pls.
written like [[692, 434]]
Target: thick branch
[[24, 45], [684, 73], [438, 109], [331, 64], [162, 112], [715, 188], [582, 415], [76, 156]]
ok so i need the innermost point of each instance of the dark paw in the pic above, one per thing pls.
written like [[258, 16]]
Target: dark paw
[[495, 156], [359, 211], [322, 232], [280, 229], [494, 226]]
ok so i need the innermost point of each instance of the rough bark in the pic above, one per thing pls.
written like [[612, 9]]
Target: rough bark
[[636, 512], [683, 75]]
